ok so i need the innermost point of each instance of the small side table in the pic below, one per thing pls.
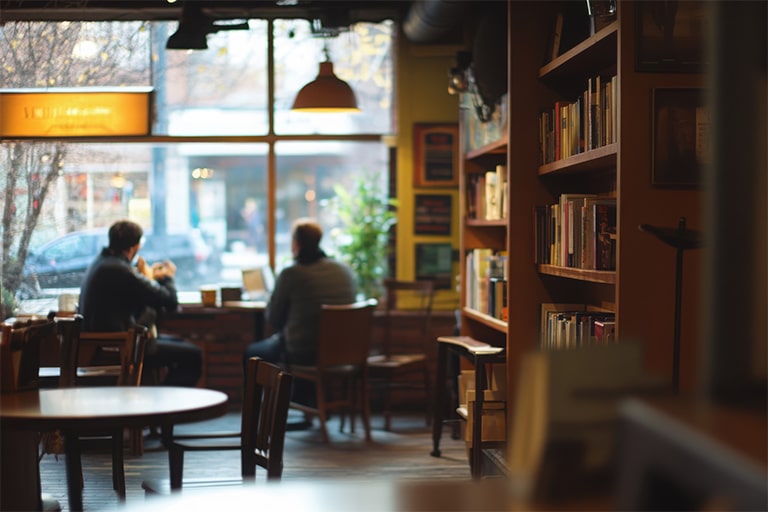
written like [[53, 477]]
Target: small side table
[[479, 354]]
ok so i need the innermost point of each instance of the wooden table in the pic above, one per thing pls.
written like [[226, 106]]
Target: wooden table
[[74, 410]]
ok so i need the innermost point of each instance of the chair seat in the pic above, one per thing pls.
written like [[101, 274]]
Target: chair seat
[[395, 360], [297, 369], [201, 444]]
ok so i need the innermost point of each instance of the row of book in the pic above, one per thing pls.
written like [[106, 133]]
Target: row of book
[[487, 194], [566, 326], [486, 282], [579, 231], [573, 127]]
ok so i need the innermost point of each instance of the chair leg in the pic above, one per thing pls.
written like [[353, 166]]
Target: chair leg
[[387, 394], [321, 410], [365, 407], [118, 471], [137, 441], [428, 397], [176, 464]]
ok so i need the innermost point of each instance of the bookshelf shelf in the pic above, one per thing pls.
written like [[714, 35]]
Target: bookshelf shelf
[[580, 274], [595, 159], [498, 148], [487, 320], [484, 223], [599, 51]]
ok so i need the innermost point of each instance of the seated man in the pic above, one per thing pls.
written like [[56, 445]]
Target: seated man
[[115, 295], [294, 306]]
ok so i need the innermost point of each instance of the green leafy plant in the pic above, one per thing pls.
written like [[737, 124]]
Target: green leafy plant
[[366, 214]]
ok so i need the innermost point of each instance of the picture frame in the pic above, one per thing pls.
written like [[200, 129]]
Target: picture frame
[[432, 214], [681, 137], [435, 154], [670, 36]]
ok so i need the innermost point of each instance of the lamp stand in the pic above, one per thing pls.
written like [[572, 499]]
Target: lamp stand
[[681, 239]]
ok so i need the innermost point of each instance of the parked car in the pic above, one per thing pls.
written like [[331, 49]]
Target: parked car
[[62, 263]]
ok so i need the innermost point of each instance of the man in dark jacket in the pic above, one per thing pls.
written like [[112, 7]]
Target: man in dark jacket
[[115, 295], [293, 310]]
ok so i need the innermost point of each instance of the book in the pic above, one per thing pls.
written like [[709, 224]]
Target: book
[[570, 224], [501, 191], [557, 34], [605, 235], [491, 196]]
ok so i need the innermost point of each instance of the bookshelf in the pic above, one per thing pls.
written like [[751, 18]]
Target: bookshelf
[[640, 289]]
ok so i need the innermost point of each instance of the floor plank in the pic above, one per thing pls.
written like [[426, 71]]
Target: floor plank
[[401, 454]]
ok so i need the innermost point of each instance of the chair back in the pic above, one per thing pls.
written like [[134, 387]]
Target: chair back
[[68, 338], [128, 347], [20, 352], [344, 336], [418, 295], [264, 419]]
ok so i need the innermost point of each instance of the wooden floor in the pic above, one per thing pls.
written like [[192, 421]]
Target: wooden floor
[[403, 453]]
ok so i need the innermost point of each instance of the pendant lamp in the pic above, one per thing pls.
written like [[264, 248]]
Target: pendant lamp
[[326, 93]]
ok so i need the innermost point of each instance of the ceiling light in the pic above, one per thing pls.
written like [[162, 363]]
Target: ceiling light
[[194, 27], [326, 93]]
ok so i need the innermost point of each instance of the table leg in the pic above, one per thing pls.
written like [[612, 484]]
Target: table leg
[[439, 406], [477, 427], [19, 471], [74, 470]]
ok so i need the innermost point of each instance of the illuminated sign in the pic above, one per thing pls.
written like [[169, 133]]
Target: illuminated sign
[[75, 112]]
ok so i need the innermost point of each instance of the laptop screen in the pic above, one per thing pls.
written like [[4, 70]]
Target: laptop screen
[[258, 282]]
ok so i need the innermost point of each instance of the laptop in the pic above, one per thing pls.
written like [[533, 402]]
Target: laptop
[[258, 283]]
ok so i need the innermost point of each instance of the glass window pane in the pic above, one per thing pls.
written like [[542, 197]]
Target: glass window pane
[[218, 91], [306, 175], [196, 203], [74, 54], [361, 56]]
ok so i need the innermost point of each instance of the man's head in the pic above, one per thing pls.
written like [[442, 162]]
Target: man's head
[[125, 237], [307, 234]]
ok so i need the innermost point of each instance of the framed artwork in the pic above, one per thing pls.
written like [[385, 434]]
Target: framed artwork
[[681, 137], [432, 214], [435, 261], [670, 36], [435, 155]]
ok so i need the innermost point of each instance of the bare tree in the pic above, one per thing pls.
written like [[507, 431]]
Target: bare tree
[[46, 55]]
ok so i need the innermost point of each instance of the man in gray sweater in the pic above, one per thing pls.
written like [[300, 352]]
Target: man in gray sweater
[[293, 310]]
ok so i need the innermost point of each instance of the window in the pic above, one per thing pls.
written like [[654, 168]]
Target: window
[[224, 173]]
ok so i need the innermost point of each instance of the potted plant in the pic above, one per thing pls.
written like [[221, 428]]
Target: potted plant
[[366, 214]]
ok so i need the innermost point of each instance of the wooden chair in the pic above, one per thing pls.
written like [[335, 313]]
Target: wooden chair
[[389, 368], [128, 347], [20, 354], [261, 437], [344, 340]]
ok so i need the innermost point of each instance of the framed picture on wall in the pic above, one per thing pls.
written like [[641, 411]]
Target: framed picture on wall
[[681, 137], [670, 36], [435, 155], [432, 214]]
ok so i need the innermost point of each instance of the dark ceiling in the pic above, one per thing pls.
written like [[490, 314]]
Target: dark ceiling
[[375, 10], [424, 21]]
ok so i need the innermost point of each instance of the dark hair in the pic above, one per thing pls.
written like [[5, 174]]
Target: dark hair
[[307, 233], [124, 234]]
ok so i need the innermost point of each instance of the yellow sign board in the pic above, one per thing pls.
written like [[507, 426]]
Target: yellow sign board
[[75, 112]]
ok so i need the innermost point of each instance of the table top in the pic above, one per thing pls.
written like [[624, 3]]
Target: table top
[[109, 406]]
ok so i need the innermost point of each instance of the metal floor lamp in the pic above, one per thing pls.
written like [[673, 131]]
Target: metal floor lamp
[[681, 239]]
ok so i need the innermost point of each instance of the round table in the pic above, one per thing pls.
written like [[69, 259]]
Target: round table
[[72, 410]]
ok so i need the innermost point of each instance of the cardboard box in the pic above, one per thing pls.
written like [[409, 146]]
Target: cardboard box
[[494, 422], [496, 385]]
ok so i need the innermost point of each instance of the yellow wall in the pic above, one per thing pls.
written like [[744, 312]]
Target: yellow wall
[[422, 96]]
